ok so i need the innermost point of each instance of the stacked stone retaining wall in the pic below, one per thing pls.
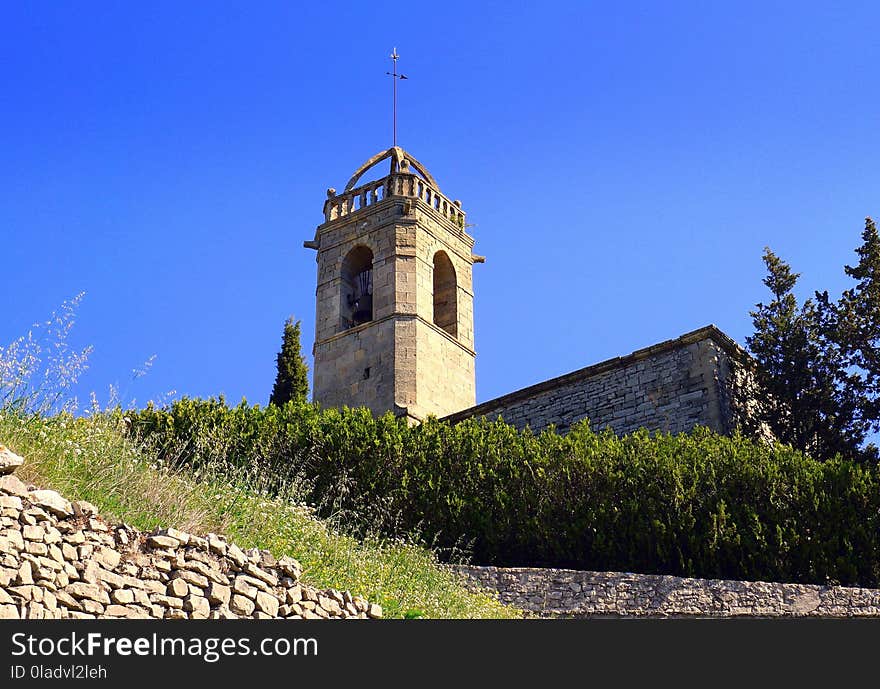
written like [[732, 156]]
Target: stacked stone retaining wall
[[573, 593], [60, 559]]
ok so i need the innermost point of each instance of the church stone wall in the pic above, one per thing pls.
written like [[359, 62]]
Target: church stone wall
[[672, 386], [377, 233], [445, 372], [357, 368], [439, 235], [445, 380]]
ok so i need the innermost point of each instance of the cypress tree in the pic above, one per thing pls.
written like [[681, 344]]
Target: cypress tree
[[813, 401], [291, 381], [859, 323], [778, 345]]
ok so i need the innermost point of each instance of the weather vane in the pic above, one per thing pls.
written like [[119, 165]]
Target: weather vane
[[394, 77]]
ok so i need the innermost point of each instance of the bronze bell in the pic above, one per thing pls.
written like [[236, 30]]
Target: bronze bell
[[363, 309], [363, 305]]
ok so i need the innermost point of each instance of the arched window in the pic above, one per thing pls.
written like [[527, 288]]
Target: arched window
[[357, 288], [445, 294]]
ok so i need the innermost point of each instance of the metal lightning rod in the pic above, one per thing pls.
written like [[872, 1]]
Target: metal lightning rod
[[394, 78]]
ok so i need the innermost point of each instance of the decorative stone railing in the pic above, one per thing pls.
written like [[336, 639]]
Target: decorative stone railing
[[399, 184]]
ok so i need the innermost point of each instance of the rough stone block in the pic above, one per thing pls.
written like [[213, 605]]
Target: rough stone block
[[10, 502], [219, 594], [159, 541], [267, 603], [243, 585], [51, 502], [122, 596], [178, 587], [197, 606], [9, 461], [241, 605]]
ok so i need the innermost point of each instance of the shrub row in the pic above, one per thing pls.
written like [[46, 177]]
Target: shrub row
[[695, 504]]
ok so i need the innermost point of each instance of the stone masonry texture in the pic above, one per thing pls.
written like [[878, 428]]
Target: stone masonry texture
[[573, 593], [61, 560], [401, 360], [672, 386]]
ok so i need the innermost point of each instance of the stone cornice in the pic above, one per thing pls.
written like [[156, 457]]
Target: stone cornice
[[399, 317]]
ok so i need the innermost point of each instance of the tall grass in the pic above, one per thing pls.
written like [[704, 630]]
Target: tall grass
[[93, 458], [38, 370]]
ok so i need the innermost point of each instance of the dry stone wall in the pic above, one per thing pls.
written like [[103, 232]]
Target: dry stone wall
[[60, 559], [573, 593]]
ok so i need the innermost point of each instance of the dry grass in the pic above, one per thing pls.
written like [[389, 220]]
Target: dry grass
[[90, 459]]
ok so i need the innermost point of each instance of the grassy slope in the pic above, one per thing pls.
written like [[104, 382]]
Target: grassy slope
[[89, 459]]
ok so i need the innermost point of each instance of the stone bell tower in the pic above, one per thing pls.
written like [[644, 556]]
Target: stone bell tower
[[395, 320]]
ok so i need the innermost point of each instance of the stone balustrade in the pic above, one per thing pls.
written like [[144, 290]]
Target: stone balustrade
[[399, 184]]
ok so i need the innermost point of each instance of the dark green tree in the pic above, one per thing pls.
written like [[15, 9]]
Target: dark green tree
[[859, 323], [778, 346], [291, 381], [812, 402]]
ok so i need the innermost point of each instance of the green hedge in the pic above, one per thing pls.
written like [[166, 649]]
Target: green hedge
[[695, 504]]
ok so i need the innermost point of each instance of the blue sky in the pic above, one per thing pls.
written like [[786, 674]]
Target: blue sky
[[623, 165]]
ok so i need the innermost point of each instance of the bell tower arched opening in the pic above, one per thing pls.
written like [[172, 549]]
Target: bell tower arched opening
[[394, 299], [445, 294], [357, 288]]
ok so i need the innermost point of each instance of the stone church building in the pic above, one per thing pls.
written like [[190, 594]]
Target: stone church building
[[395, 326]]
